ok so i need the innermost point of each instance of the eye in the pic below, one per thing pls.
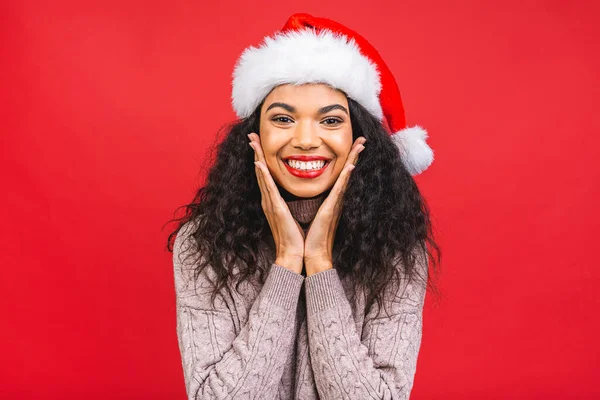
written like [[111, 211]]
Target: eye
[[280, 118], [333, 121]]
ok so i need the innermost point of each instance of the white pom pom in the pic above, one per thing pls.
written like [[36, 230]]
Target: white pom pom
[[416, 155]]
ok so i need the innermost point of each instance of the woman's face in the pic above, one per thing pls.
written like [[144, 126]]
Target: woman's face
[[300, 123]]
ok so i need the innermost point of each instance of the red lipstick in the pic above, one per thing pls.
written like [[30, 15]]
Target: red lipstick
[[306, 158], [302, 173]]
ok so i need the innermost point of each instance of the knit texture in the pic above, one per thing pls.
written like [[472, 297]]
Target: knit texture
[[294, 337]]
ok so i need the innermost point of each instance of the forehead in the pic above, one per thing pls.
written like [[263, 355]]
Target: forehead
[[308, 95]]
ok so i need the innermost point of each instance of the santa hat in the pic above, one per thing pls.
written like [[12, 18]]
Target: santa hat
[[311, 49]]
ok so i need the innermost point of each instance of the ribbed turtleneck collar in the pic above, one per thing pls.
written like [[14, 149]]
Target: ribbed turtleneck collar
[[305, 209]]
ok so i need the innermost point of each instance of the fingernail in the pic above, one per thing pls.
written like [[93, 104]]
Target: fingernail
[[361, 148], [351, 167]]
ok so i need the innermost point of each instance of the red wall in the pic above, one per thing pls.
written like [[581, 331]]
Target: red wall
[[107, 109]]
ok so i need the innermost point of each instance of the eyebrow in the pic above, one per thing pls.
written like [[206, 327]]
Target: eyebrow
[[322, 110]]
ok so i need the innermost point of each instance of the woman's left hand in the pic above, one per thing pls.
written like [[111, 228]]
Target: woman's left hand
[[318, 244]]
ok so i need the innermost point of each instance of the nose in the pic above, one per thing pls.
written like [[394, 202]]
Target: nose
[[306, 135]]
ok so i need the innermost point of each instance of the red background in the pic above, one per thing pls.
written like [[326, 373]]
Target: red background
[[107, 109]]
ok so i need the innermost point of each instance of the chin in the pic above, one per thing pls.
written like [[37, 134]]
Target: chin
[[305, 191]]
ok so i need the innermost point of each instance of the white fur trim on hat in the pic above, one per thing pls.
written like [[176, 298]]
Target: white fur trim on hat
[[305, 56], [416, 154]]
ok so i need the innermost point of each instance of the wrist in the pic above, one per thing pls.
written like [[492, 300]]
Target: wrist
[[292, 263], [316, 265], [317, 259]]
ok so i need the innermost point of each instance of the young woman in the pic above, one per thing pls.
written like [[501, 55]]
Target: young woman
[[301, 266]]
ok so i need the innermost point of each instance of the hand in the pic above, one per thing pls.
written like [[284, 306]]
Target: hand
[[287, 232], [318, 245]]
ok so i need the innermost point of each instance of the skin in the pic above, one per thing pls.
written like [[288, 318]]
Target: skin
[[304, 130]]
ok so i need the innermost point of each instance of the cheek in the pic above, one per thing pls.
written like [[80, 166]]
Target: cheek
[[271, 145], [340, 161], [268, 142], [342, 146]]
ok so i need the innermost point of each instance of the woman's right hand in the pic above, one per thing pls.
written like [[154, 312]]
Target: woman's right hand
[[287, 232]]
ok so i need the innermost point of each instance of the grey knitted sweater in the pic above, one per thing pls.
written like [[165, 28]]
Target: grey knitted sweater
[[295, 337]]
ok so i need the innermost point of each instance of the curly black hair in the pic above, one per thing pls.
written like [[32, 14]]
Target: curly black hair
[[385, 219]]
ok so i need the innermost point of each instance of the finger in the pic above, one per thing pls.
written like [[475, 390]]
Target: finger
[[342, 182], [255, 140], [259, 150], [271, 187], [338, 189], [259, 156], [349, 165], [265, 189], [260, 179], [265, 175], [336, 196], [252, 144], [356, 149]]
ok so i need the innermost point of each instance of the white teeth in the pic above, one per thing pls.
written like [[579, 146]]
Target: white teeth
[[311, 165]]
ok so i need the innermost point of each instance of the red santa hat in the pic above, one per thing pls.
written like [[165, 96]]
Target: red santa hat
[[310, 49]]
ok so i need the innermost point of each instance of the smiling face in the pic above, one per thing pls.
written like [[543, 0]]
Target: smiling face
[[303, 123]]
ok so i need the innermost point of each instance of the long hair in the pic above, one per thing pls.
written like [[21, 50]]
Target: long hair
[[385, 220]]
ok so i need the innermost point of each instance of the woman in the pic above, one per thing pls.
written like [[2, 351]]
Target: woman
[[309, 226]]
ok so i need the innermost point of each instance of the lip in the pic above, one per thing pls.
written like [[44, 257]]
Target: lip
[[303, 173], [306, 158]]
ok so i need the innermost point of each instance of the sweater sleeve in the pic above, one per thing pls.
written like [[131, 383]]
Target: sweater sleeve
[[217, 362], [380, 363]]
